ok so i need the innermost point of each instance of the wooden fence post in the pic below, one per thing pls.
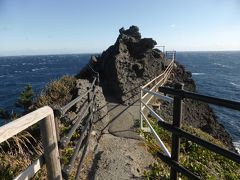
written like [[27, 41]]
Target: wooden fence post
[[177, 116], [50, 146]]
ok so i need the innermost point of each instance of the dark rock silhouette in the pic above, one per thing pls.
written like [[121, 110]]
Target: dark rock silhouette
[[129, 63], [126, 65]]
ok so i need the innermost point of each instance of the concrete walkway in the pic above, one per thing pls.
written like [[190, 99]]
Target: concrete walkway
[[120, 152], [123, 120]]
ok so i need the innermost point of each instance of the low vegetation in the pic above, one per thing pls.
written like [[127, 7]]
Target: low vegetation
[[25, 100], [57, 92], [206, 164], [18, 152]]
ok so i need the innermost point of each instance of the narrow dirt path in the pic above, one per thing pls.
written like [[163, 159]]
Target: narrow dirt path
[[119, 152]]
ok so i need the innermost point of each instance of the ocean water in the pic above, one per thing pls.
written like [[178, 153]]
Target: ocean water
[[217, 74], [18, 71]]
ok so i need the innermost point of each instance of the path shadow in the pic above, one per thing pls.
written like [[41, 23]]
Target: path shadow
[[92, 172], [115, 117]]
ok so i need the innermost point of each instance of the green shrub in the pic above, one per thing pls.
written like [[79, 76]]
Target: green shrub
[[25, 99], [56, 92]]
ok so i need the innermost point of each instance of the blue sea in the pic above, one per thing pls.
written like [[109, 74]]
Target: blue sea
[[215, 73], [18, 71]]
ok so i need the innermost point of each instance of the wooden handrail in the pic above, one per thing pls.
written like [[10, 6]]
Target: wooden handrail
[[32, 169], [207, 99], [178, 133], [12, 128], [48, 128], [166, 70], [48, 131], [84, 112]]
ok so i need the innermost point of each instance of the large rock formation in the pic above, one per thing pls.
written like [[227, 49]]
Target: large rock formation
[[126, 65], [131, 62]]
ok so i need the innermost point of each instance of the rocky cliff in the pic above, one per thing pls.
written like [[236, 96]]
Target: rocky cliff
[[128, 64], [131, 62]]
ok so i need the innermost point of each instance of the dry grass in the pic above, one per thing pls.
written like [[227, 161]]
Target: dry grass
[[22, 143], [56, 92], [17, 154], [11, 164]]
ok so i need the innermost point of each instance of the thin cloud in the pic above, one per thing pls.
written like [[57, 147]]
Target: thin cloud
[[172, 25]]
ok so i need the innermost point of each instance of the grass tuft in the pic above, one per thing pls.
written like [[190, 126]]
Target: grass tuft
[[57, 92]]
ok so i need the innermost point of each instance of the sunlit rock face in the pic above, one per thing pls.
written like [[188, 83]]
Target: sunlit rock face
[[130, 63]]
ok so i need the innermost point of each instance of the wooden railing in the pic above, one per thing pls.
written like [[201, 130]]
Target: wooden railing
[[172, 159], [155, 88], [51, 136], [148, 90], [86, 115], [178, 133]]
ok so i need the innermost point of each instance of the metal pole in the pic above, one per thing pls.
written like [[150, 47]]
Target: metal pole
[[177, 116]]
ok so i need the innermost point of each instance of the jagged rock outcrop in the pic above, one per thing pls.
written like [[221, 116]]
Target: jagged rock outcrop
[[129, 63], [126, 65]]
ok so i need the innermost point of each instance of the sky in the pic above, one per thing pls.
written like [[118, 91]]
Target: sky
[[91, 26]]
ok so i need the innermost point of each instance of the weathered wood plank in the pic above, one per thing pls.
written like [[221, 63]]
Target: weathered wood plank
[[50, 147], [20, 124], [49, 137], [31, 170]]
